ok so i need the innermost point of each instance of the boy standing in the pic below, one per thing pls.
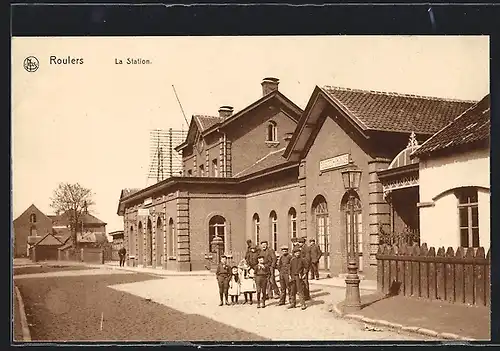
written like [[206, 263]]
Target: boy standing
[[284, 269], [223, 275], [262, 274], [297, 274]]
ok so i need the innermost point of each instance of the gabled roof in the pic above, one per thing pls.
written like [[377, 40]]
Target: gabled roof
[[86, 218], [395, 112], [272, 159], [377, 111], [128, 191], [209, 124], [470, 127], [49, 240], [31, 208]]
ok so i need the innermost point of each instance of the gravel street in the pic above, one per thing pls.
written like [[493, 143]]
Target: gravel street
[[199, 295]]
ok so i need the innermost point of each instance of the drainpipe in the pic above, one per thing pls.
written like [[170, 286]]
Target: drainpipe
[[225, 156]]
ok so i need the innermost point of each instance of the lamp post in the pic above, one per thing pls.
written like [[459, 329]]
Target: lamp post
[[351, 178]]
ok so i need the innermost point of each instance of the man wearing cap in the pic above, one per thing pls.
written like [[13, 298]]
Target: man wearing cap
[[284, 269], [315, 256], [297, 274], [270, 261], [251, 255], [223, 275], [305, 253]]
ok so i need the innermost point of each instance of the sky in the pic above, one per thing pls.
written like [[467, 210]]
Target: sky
[[89, 123]]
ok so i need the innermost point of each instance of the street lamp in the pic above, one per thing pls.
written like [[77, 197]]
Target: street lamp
[[351, 178]]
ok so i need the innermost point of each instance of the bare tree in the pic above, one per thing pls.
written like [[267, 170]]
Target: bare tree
[[72, 201]]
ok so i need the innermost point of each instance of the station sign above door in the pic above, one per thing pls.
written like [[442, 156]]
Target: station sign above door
[[334, 162], [143, 212]]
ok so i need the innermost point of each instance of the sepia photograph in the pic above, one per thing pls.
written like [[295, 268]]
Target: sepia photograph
[[250, 188]]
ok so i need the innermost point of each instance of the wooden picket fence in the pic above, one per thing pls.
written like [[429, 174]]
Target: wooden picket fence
[[460, 277]]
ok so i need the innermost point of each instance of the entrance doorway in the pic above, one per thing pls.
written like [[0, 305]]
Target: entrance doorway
[[322, 222]]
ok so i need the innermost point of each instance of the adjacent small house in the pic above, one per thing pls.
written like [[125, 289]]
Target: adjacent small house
[[31, 223], [454, 192]]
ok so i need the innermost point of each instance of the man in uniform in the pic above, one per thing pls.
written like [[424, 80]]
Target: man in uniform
[[284, 269], [306, 256], [297, 274], [252, 255], [315, 256], [223, 275], [270, 261]]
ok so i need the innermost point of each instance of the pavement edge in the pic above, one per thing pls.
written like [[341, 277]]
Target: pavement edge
[[24, 320], [383, 323]]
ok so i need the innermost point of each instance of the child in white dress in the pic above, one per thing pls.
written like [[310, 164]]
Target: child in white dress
[[234, 285], [247, 281]]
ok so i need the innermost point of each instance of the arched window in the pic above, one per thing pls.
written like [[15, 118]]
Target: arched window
[[140, 243], [358, 226], [468, 214], [272, 131], [216, 226], [292, 218], [256, 228], [33, 218], [322, 223], [171, 239], [159, 242], [132, 241], [274, 229]]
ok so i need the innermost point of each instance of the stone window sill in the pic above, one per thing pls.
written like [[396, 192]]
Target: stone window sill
[[272, 143]]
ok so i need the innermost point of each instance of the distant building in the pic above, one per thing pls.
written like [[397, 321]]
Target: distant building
[[33, 225], [117, 242]]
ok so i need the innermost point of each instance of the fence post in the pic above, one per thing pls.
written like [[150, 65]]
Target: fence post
[[424, 278], [440, 276], [459, 276], [408, 277], [479, 283], [415, 271], [469, 277], [432, 274], [450, 276], [101, 256], [393, 266], [380, 269], [81, 254], [401, 270], [387, 271], [488, 279]]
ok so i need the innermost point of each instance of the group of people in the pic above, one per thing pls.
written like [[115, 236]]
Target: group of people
[[256, 273]]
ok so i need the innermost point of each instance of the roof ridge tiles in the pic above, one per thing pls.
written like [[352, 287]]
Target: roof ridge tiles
[[391, 93]]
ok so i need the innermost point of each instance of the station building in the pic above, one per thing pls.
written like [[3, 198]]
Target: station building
[[272, 171]]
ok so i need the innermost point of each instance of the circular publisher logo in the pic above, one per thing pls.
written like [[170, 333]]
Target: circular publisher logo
[[31, 64]]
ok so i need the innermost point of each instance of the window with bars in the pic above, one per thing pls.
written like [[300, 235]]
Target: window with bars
[[256, 228], [292, 217], [217, 226], [322, 226], [215, 168], [274, 229], [468, 213]]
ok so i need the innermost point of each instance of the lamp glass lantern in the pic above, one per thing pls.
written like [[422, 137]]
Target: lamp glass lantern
[[351, 178]]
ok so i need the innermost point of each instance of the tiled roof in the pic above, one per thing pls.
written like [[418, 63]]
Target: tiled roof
[[273, 159], [49, 240], [471, 126], [87, 218], [129, 191], [385, 111], [206, 122]]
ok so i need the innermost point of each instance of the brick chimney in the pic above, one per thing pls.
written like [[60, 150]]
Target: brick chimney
[[269, 85], [225, 111]]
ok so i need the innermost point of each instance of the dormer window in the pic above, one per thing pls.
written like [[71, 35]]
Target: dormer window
[[272, 132]]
